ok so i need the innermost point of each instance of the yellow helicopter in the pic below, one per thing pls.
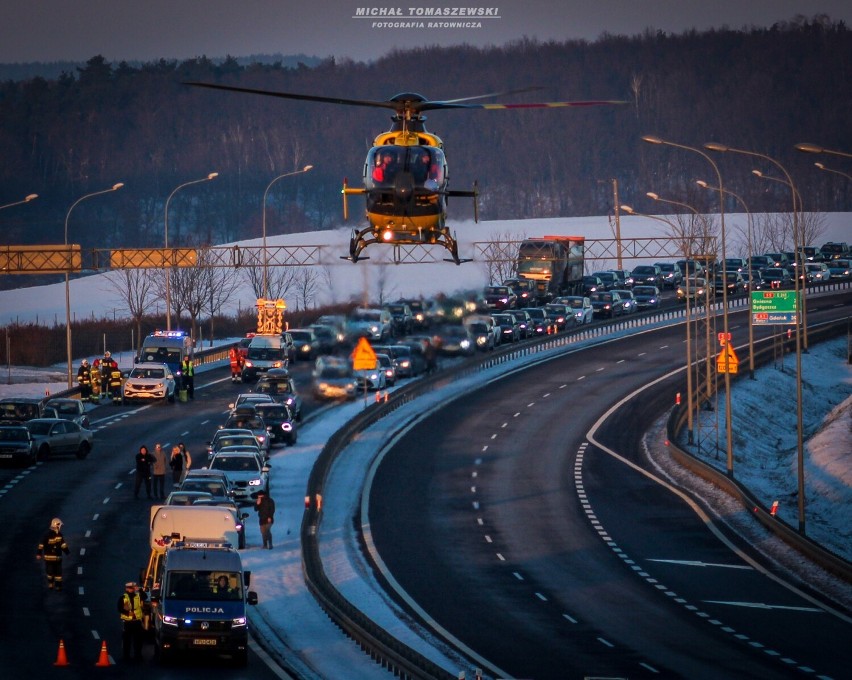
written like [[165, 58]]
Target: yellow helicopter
[[405, 174]]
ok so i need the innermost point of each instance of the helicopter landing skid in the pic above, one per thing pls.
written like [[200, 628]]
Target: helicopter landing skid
[[366, 237]]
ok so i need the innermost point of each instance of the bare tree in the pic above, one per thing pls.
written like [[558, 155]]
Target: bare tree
[[218, 285], [135, 288], [500, 256], [382, 276], [306, 279]]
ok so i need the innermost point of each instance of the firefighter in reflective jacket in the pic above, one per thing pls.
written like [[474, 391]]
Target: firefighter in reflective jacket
[[95, 377], [130, 608], [236, 362], [115, 385], [51, 548], [84, 379]]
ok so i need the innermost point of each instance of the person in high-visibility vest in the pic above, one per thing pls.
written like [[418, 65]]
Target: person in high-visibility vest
[[187, 370], [84, 379], [236, 362], [115, 385], [95, 375], [130, 610]]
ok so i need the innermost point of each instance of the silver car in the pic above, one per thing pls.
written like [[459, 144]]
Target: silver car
[[246, 472], [55, 436], [149, 381]]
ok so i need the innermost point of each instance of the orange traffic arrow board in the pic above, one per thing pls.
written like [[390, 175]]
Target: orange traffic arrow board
[[363, 356]]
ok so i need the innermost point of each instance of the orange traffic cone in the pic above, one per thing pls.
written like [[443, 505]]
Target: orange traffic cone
[[61, 659], [103, 659]]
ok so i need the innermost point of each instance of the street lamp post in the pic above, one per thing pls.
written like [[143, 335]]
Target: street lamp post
[[114, 187], [729, 435], [836, 172], [265, 193], [27, 199], [707, 359], [813, 148], [749, 228], [689, 397], [713, 146], [210, 176]]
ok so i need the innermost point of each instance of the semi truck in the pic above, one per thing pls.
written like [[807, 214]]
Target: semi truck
[[554, 265], [197, 587]]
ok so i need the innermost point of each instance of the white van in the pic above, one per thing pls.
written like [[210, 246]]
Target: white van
[[265, 352]]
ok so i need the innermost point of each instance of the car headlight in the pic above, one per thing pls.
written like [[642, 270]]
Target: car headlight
[[170, 620], [255, 482], [481, 340], [238, 622], [465, 343], [305, 348], [287, 427]]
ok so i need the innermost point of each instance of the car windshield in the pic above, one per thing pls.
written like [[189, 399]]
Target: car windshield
[[222, 442], [576, 303], [601, 297], [203, 585], [65, 408], [644, 290], [301, 335], [210, 486], [335, 372], [36, 427], [245, 422], [279, 412], [148, 373], [235, 463]]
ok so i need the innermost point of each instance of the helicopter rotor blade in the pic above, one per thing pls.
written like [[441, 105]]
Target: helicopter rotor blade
[[292, 95], [544, 105]]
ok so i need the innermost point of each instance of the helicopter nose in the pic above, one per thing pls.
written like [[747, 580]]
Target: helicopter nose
[[404, 186]]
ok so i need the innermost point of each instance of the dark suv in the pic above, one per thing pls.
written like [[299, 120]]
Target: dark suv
[[278, 383], [16, 410], [648, 275]]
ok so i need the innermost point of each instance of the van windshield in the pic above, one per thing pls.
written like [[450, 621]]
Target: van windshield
[[203, 585]]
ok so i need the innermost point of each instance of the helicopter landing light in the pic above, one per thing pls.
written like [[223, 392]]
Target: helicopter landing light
[[388, 235]]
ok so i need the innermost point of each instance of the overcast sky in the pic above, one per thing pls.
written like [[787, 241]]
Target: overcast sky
[[52, 30]]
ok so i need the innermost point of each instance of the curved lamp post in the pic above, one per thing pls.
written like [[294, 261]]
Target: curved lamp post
[[212, 175], [114, 187], [729, 435], [689, 408], [836, 172], [813, 148], [749, 228], [714, 146], [27, 199], [265, 193]]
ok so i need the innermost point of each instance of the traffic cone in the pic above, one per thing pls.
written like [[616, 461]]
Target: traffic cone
[[61, 659], [103, 659]]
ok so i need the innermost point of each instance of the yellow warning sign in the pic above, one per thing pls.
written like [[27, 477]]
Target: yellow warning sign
[[729, 364], [363, 356]]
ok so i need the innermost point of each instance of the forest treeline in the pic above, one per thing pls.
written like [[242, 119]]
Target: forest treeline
[[756, 89]]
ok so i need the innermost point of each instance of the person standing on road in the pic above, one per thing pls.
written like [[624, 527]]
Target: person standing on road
[[130, 610], [84, 379], [235, 360], [176, 464], [158, 468], [187, 371], [187, 459], [51, 548], [144, 460], [265, 508]]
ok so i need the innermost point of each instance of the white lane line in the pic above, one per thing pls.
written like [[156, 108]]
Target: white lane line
[[763, 605], [697, 563]]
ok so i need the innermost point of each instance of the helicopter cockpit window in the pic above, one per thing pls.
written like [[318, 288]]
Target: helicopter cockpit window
[[427, 166], [384, 162]]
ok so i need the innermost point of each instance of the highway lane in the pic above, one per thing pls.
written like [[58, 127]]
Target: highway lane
[[540, 553], [107, 531]]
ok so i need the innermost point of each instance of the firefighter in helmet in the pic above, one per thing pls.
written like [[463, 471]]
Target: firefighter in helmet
[[51, 548], [84, 379]]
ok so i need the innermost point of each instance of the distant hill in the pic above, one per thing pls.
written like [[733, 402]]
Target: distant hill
[[50, 70]]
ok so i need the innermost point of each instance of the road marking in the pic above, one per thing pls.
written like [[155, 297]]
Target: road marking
[[500, 557], [763, 605], [517, 576], [696, 563]]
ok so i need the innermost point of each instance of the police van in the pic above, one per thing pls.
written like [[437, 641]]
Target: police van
[[166, 347], [199, 591]]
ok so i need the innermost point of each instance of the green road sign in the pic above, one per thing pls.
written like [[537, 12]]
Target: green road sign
[[774, 307]]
